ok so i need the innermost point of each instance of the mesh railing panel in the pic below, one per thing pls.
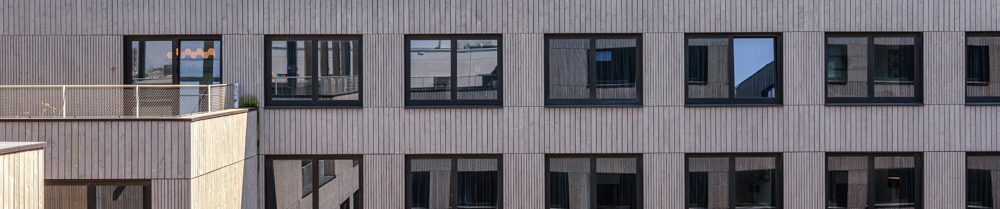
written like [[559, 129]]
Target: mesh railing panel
[[113, 101]]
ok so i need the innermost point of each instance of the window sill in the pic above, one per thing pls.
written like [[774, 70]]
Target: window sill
[[734, 105], [312, 107], [982, 103], [596, 106], [453, 107], [874, 104]]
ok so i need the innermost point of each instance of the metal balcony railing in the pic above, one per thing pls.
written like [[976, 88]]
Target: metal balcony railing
[[114, 101]]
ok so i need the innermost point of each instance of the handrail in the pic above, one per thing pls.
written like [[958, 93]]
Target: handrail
[[109, 86], [136, 100]]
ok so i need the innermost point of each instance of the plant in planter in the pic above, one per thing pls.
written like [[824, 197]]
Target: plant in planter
[[248, 100]]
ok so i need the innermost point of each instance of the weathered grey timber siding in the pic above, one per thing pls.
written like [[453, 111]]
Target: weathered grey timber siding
[[22, 173]]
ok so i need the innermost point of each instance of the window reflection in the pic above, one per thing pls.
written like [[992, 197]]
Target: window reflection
[[569, 183], [616, 183], [847, 67], [708, 182], [430, 69], [477, 69], [754, 67], [301, 183], [847, 182], [430, 183], [615, 60], [568, 69], [755, 182], [982, 181], [291, 70], [152, 62], [894, 67], [982, 73]]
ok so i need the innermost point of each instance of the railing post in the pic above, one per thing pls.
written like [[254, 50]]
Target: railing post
[[209, 99], [64, 101], [137, 101], [236, 95]]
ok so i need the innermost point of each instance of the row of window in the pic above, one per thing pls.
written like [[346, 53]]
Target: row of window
[[450, 70], [616, 181]]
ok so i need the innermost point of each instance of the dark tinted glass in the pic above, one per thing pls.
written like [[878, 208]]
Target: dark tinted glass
[[754, 67], [123, 196], [755, 182], [616, 183], [568, 68], [200, 63], [982, 73], [894, 182], [569, 185], [615, 62], [291, 70], [339, 65], [982, 182], [430, 183], [430, 69], [477, 183], [708, 182], [66, 197], [338, 179], [847, 182], [152, 62], [709, 67], [299, 183], [477, 69], [894, 66], [847, 67]]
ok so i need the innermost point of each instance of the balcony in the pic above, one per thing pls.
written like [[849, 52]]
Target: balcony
[[114, 101]]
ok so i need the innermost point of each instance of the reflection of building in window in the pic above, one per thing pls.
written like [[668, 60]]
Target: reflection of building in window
[[453, 183], [592, 183], [732, 182], [881, 181], [760, 84], [982, 71], [290, 183], [836, 63], [982, 181]]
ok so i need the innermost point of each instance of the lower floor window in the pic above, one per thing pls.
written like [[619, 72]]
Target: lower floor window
[[878, 181], [733, 181], [594, 182], [91, 194], [982, 181], [457, 182], [312, 182]]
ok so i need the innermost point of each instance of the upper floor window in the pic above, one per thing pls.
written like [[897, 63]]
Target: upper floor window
[[873, 68], [982, 182], [476, 182], [750, 181], [873, 181], [313, 70], [593, 70], [592, 182], [184, 60], [454, 70], [733, 69], [982, 68], [312, 182]]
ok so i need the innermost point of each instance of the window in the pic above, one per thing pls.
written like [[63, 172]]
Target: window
[[290, 182], [454, 70], [874, 181], [751, 181], [455, 182], [313, 71], [593, 70], [982, 180], [606, 181], [185, 60], [982, 68], [97, 194], [733, 69], [873, 68]]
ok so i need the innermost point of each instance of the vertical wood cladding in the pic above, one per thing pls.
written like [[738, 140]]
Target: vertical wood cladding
[[384, 181], [804, 180], [944, 179], [22, 179], [521, 192]]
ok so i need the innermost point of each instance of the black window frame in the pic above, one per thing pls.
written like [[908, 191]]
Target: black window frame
[[453, 196], [593, 176], [93, 183], [269, 193], [778, 192], [918, 75], [176, 44], [316, 102], [732, 100], [454, 101], [592, 71], [967, 182], [995, 100], [918, 168]]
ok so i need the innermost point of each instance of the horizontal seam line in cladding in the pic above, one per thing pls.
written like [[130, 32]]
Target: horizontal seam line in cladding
[[220, 168]]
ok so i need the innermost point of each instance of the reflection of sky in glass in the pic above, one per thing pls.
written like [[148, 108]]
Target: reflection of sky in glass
[[423, 44], [751, 54]]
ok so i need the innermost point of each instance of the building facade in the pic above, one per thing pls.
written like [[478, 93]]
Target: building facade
[[523, 104]]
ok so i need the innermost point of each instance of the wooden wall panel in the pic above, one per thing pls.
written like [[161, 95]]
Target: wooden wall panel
[[219, 142], [232, 186], [383, 84], [243, 63], [944, 180], [803, 72], [523, 70], [663, 69], [861, 15], [804, 180], [171, 193], [944, 68], [22, 179], [663, 178], [520, 190], [385, 181], [61, 60]]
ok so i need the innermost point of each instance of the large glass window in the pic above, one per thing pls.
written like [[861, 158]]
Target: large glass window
[[873, 181], [881, 68], [312, 182], [593, 182], [96, 194], [313, 70], [185, 60], [453, 70], [593, 70], [733, 182], [982, 182], [460, 182], [733, 69], [982, 68]]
